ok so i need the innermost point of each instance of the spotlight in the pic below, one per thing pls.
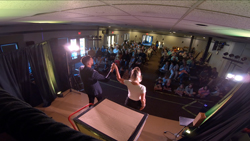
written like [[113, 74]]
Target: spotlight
[[188, 131], [244, 59], [238, 78], [226, 53], [59, 94], [231, 55], [73, 48], [237, 57], [229, 76]]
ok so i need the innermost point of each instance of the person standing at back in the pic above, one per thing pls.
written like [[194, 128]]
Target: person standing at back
[[136, 92], [90, 78]]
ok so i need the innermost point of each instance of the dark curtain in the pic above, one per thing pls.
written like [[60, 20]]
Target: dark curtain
[[42, 66], [8, 79], [230, 119], [15, 76], [59, 56]]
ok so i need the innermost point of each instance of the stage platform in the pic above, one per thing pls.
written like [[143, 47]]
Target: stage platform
[[153, 129]]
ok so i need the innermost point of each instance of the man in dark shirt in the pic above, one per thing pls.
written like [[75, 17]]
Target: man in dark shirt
[[90, 78]]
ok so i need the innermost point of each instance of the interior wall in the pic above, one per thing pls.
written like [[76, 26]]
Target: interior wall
[[171, 41], [200, 45], [217, 60]]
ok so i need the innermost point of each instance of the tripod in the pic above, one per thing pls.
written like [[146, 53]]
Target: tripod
[[70, 75]]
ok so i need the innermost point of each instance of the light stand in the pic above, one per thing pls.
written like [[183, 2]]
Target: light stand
[[69, 70]]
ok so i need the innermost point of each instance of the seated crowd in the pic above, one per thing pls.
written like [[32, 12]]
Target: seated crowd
[[179, 67], [175, 66], [126, 57]]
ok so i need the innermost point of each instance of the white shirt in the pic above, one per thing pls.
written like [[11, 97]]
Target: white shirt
[[115, 50], [135, 91]]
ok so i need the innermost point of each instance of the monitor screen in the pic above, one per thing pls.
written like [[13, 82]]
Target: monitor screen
[[147, 40]]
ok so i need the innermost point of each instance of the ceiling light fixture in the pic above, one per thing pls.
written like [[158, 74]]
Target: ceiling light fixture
[[201, 24]]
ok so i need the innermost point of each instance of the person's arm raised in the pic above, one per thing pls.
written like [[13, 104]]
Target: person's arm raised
[[118, 76]]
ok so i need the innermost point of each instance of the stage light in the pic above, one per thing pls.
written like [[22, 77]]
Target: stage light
[[59, 94], [188, 131], [238, 78], [73, 48], [229, 76]]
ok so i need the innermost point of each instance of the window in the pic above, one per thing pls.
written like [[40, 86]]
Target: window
[[8, 47], [73, 43], [126, 37], [113, 40], [82, 47]]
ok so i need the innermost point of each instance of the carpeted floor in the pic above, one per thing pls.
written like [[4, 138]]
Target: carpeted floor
[[161, 104]]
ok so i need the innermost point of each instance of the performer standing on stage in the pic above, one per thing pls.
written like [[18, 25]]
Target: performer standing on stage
[[136, 91], [90, 78]]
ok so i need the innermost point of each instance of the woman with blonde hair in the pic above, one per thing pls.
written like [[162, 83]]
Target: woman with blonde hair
[[136, 92]]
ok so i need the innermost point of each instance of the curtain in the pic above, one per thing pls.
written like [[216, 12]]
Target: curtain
[[230, 117], [8, 80], [15, 75], [42, 66]]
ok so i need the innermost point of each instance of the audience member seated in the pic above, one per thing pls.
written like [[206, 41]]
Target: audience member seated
[[131, 63], [203, 92], [190, 62], [203, 77], [123, 50], [110, 50], [180, 90], [106, 67], [118, 59], [184, 55], [98, 52], [180, 58], [163, 60], [97, 62], [189, 90], [218, 92], [174, 71], [183, 71], [170, 52], [174, 57], [138, 62], [103, 49], [158, 85], [165, 79], [164, 69], [116, 50], [213, 76], [164, 53], [91, 52], [126, 57], [167, 85]]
